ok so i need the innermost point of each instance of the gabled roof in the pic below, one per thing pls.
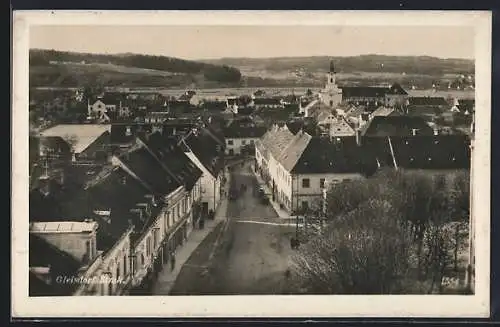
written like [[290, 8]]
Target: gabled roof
[[427, 101], [142, 163], [80, 135], [323, 114], [384, 111], [173, 157], [335, 156], [293, 152], [118, 192], [396, 126], [277, 140], [208, 151]]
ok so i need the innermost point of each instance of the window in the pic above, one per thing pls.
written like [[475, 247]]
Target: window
[[148, 246], [306, 183], [230, 142], [178, 211], [305, 205], [322, 183], [252, 141], [244, 142], [231, 152], [125, 264]]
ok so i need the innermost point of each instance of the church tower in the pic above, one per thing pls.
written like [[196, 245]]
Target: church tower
[[331, 95], [331, 77]]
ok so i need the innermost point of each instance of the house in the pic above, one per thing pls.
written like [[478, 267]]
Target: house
[[391, 96], [88, 142], [208, 155], [156, 117], [296, 167], [123, 135], [396, 126], [144, 205], [54, 267], [339, 127], [384, 111], [262, 103], [241, 139]]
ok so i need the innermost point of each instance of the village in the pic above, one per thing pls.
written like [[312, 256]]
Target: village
[[141, 190]]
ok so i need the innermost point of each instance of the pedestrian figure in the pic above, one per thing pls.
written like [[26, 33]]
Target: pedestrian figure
[[172, 261]]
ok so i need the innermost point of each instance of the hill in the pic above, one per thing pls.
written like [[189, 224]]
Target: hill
[[71, 69], [424, 65]]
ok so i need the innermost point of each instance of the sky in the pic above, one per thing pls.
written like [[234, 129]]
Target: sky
[[211, 42]]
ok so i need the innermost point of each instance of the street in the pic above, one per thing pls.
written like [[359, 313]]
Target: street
[[248, 255]]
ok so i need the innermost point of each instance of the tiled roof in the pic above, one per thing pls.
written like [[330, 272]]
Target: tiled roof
[[149, 170], [421, 152], [339, 156], [82, 135], [278, 139], [432, 152], [396, 126], [208, 151], [43, 254], [118, 192], [173, 157], [427, 101], [293, 152], [383, 111]]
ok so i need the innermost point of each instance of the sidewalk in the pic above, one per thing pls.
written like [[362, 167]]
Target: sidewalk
[[281, 212], [166, 278]]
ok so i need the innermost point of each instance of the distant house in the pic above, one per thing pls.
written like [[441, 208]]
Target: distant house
[[362, 95], [260, 103], [240, 137], [156, 117]]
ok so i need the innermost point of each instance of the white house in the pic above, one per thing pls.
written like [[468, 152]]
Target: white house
[[238, 138], [300, 166]]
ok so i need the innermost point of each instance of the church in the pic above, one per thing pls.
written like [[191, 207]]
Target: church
[[331, 95]]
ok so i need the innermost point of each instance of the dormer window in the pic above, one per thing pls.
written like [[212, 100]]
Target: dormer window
[[430, 159], [411, 159]]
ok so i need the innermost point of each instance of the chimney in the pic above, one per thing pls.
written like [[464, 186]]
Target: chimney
[[358, 137]]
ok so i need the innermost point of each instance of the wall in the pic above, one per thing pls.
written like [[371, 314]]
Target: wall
[[313, 193], [238, 144], [209, 185], [117, 263], [71, 243]]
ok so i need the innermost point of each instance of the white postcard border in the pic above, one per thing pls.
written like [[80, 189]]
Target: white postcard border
[[251, 306]]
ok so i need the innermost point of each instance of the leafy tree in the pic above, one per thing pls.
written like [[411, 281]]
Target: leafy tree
[[423, 215]]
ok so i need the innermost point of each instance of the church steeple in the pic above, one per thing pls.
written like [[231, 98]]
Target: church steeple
[[332, 67]]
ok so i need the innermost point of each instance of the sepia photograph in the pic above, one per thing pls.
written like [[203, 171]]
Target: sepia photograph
[[251, 164]]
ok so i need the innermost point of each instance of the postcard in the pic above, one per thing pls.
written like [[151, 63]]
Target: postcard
[[251, 164]]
